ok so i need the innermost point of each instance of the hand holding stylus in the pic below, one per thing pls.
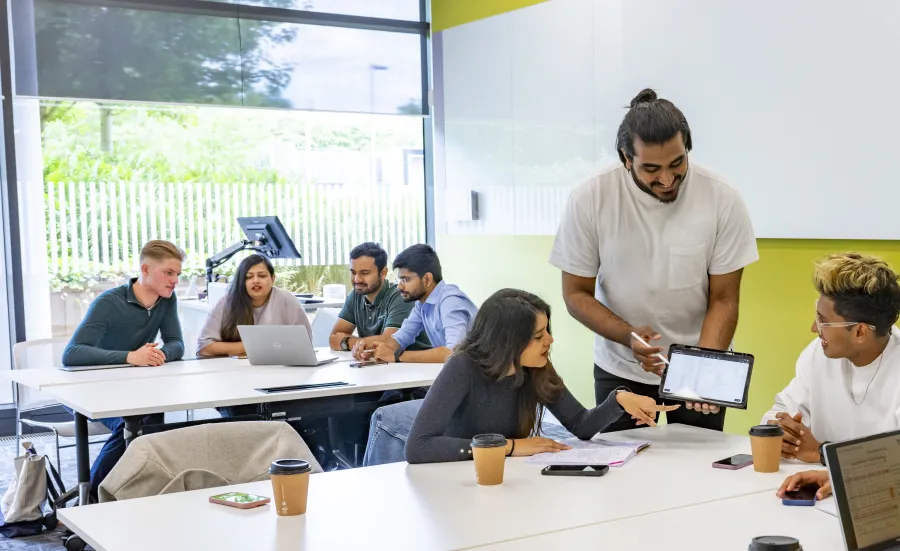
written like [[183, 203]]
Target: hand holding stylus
[[650, 357]]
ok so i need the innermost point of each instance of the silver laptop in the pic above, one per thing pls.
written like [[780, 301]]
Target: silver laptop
[[282, 345], [865, 476]]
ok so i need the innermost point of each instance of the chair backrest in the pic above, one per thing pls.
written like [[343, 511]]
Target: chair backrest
[[322, 325], [203, 456], [36, 354]]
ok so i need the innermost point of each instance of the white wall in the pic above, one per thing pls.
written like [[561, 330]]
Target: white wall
[[795, 102]]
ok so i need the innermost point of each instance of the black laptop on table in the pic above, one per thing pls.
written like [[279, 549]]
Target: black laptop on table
[[865, 476]]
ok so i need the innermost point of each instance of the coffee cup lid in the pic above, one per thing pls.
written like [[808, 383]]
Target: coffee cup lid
[[289, 466], [766, 430], [775, 543], [488, 441]]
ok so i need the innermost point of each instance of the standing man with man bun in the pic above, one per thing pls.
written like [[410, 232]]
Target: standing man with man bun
[[655, 246]]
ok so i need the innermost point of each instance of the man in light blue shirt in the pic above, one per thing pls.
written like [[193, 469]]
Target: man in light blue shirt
[[443, 311], [445, 314]]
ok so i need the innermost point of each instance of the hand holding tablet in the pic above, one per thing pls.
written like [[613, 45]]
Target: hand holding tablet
[[700, 375]]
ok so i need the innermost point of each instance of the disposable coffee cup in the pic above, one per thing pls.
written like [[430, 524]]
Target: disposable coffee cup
[[775, 543], [290, 483], [489, 451], [765, 443]]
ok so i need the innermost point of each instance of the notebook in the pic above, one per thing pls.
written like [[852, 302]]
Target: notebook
[[591, 452]]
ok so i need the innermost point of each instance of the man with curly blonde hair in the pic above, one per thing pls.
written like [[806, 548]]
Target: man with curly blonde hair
[[847, 383]]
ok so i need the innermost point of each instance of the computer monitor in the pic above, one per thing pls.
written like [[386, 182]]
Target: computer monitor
[[269, 237], [865, 477], [265, 235]]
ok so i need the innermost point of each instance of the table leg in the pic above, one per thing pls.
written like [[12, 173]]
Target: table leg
[[82, 458], [132, 428]]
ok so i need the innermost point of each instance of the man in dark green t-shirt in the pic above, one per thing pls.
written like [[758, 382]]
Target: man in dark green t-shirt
[[374, 308]]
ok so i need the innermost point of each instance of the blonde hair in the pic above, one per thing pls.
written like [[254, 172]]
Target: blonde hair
[[863, 288], [852, 273], [161, 250]]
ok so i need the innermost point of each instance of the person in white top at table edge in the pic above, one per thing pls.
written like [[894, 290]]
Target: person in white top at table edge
[[657, 247], [847, 383], [252, 299]]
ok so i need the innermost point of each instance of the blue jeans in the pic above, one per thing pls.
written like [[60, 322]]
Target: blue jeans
[[113, 448], [388, 432]]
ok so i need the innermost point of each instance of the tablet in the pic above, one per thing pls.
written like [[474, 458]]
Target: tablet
[[710, 376]]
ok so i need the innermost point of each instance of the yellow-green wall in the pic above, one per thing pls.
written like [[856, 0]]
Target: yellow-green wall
[[776, 300], [450, 13], [776, 303]]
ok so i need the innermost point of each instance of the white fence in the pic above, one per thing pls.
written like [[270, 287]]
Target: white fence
[[94, 226]]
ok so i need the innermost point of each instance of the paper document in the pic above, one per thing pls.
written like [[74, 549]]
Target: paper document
[[828, 506], [590, 452]]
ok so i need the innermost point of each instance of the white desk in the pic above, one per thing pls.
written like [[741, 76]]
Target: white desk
[[439, 506], [137, 397], [40, 379], [729, 524]]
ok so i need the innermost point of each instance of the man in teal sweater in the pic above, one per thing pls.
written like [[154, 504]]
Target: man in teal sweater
[[121, 327]]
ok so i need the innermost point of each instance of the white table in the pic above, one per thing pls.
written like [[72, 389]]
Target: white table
[[438, 506], [133, 398], [41, 378], [729, 524], [138, 397]]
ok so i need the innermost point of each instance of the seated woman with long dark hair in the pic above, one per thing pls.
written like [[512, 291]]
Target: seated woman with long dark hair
[[500, 380], [252, 299]]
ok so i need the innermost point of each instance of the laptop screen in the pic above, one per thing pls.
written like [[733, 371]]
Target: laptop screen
[[866, 477]]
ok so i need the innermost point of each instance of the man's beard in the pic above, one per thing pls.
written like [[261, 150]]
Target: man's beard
[[369, 290], [413, 298], [649, 189]]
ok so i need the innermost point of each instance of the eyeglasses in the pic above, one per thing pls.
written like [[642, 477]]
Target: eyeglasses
[[820, 324]]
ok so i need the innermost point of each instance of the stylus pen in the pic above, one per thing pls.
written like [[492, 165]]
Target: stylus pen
[[642, 341]]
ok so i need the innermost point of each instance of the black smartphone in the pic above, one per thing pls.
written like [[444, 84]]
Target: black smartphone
[[575, 470], [804, 496]]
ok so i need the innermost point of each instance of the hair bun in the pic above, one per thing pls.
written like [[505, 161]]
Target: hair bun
[[645, 96]]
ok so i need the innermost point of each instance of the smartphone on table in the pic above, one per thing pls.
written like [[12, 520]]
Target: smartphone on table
[[575, 470], [805, 496], [734, 462], [239, 500]]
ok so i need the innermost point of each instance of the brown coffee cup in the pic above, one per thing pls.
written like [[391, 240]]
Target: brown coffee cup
[[765, 443], [489, 452], [290, 483]]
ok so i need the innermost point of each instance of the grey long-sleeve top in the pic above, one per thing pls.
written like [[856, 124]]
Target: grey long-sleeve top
[[462, 402]]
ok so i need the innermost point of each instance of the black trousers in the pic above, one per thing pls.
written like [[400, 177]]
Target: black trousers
[[605, 382]]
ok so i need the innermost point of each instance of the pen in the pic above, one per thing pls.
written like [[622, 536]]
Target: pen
[[642, 341]]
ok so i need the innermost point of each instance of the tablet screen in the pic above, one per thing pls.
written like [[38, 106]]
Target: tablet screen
[[707, 376]]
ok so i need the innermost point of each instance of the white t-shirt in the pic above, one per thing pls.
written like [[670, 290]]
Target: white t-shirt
[[652, 260], [831, 394]]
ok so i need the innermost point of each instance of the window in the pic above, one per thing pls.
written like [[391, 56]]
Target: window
[[116, 175], [69, 50], [389, 9], [162, 122]]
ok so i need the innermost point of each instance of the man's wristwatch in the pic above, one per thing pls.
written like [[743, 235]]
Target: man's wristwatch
[[822, 452], [345, 344], [397, 354]]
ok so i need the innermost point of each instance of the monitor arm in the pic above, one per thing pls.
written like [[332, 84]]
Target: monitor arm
[[218, 259]]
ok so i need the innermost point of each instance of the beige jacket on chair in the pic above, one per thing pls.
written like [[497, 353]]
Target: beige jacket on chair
[[205, 456]]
